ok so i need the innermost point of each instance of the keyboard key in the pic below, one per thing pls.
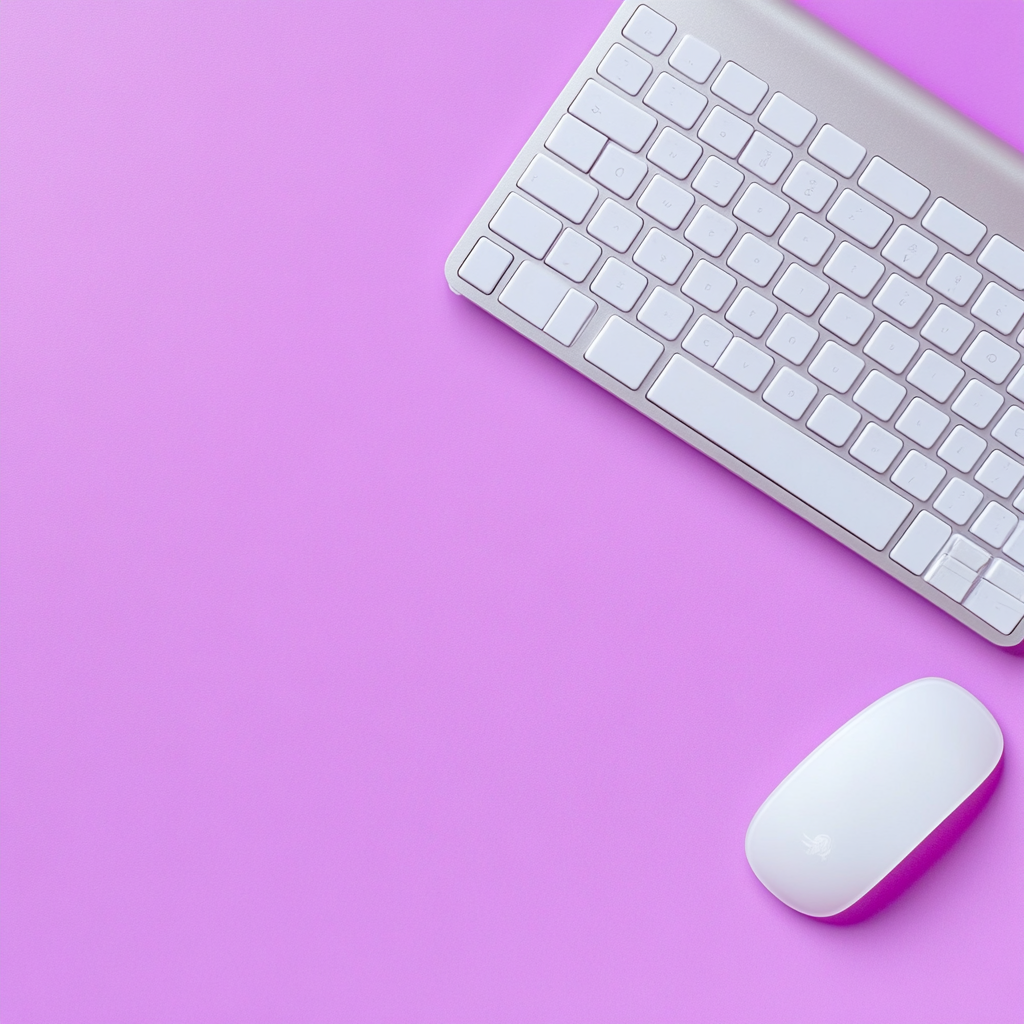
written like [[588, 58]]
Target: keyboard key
[[921, 543], [892, 186], [854, 269], [833, 420], [994, 526], [1005, 260], [710, 231], [559, 188], [743, 363], [951, 577], [534, 293], [998, 308], [575, 142], [947, 329], [876, 448], [523, 224], [613, 116], [1014, 547], [767, 159], [625, 69], [790, 393], [677, 101], [755, 259], [935, 376], [1016, 386], [991, 357], [837, 151], [782, 453], [1010, 431], [952, 225], [707, 340], [665, 202], [807, 239], [803, 291], [484, 265], [836, 366], [569, 317], [977, 404], [615, 225], [902, 300], [624, 352], [620, 172], [891, 347], [618, 284], [918, 476], [666, 314], [910, 251], [792, 338], [846, 319], [650, 30], [958, 500], [573, 255], [695, 59], [809, 186], [962, 449], [880, 395], [966, 552], [739, 87], [996, 607], [1000, 474], [761, 209], [725, 131], [1008, 579], [718, 181], [859, 218], [662, 256], [709, 286], [922, 422], [751, 313], [788, 119], [674, 153], [954, 279]]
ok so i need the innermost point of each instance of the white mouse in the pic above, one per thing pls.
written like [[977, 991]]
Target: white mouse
[[855, 809]]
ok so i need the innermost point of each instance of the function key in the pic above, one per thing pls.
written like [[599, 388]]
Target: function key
[[695, 59], [788, 119], [836, 150], [739, 87], [1004, 259], [892, 186], [650, 30], [952, 225]]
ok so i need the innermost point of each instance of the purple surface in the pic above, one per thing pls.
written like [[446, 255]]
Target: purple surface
[[361, 662]]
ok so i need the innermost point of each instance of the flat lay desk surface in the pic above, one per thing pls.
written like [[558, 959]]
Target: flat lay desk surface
[[361, 662]]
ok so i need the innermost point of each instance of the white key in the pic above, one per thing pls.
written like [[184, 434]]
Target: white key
[[707, 340], [947, 329], [836, 366], [767, 159], [523, 224], [910, 251], [1014, 547], [534, 293], [575, 142], [797, 463], [695, 59], [615, 225], [838, 151], [613, 116], [710, 231], [788, 119], [662, 256], [966, 552], [484, 265], [807, 239], [957, 501], [790, 393], [935, 376], [891, 347], [619, 171], [718, 181], [918, 476], [725, 131], [846, 319], [892, 186], [921, 543], [1006, 578], [922, 422], [1010, 430], [1016, 386], [573, 255], [998, 308], [995, 525], [954, 279], [833, 420], [792, 338], [751, 312], [1000, 474], [677, 101], [665, 202], [625, 69], [739, 87], [557, 187], [674, 153], [568, 319], [879, 395], [962, 449], [803, 291], [953, 578], [859, 218], [996, 607], [990, 357], [650, 30], [709, 286], [952, 225], [665, 313], [618, 284], [902, 300], [809, 186], [743, 363], [761, 209], [1005, 260], [623, 352], [977, 403], [876, 448], [854, 269], [755, 259]]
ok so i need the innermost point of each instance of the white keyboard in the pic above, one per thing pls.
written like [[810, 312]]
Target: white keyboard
[[798, 262]]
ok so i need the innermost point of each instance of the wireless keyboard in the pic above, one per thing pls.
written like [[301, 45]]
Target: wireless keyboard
[[799, 263]]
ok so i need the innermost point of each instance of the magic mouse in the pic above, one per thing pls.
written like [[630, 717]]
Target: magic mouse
[[862, 802]]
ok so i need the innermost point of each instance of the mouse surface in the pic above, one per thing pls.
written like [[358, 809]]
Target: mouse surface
[[864, 800]]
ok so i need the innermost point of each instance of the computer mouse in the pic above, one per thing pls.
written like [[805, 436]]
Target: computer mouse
[[860, 805]]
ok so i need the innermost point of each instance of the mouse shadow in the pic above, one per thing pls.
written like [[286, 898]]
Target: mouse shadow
[[919, 860]]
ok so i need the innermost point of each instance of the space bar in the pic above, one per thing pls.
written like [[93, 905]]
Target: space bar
[[794, 461]]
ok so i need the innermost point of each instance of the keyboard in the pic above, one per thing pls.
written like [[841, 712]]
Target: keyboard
[[799, 263]]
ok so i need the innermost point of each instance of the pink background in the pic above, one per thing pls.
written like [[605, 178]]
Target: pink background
[[362, 662]]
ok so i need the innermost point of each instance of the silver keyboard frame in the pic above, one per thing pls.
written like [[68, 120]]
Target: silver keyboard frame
[[844, 86]]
